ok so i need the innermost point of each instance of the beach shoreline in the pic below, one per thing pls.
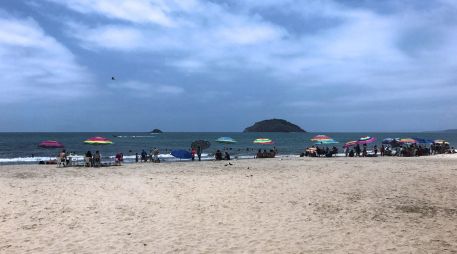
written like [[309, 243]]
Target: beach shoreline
[[283, 205]]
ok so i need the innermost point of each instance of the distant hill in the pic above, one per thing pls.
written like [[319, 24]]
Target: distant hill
[[274, 125], [156, 131], [451, 130]]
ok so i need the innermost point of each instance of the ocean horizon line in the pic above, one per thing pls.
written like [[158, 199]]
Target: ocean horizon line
[[18, 132]]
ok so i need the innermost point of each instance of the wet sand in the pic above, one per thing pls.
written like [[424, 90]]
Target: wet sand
[[292, 205]]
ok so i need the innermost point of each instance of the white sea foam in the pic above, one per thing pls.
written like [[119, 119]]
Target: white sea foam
[[134, 136]]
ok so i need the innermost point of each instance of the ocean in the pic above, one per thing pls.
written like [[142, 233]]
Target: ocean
[[22, 148]]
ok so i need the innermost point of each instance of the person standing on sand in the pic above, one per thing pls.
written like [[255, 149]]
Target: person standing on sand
[[346, 151], [364, 152], [136, 157], [383, 150], [199, 153], [156, 153], [193, 152], [62, 158], [144, 156], [97, 159], [88, 159], [357, 150], [375, 149]]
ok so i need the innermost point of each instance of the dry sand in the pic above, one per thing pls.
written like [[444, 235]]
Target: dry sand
[[296, 205]]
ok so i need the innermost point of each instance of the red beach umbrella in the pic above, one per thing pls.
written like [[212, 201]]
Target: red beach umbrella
[[50, 144]]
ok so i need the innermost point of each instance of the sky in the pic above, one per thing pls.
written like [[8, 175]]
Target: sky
[[221, 65]]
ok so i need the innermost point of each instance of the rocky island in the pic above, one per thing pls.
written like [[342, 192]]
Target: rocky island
[[274, 125], [156, 131]]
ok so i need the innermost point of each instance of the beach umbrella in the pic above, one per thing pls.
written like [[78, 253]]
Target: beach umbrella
[[226, 140], [318, 138], [366, 140], [407, 141], [203, 144], [98, 141], [181, 154], [350, 143], [327, 142], [388, 141], [440, 141], [50, 144], [263, 141], [423, 141]]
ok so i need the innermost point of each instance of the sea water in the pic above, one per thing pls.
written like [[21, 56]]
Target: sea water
[[21, 148]]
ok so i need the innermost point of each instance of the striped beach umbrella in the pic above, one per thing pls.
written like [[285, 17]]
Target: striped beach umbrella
[[350, 143], [318, 138], [407, 141], [263, 141], [50, 144], [98, 141], [327, 142], [423, 141], [226, 140], [366, 140]]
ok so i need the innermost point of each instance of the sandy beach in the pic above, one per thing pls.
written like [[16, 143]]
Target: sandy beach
[[290, 205]]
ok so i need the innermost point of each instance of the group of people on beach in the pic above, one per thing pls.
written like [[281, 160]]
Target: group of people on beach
[[316, 151], [265, 154], [410, 150], [95, 160], [153, 156], [65, 158], [219, 156]]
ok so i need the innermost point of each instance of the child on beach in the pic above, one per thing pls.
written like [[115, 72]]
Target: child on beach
[[118, 159]]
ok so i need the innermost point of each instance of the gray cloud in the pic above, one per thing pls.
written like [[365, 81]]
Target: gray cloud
[[281, 57]]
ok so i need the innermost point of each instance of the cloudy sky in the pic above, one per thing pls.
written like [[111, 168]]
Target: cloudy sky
[[220, 65]]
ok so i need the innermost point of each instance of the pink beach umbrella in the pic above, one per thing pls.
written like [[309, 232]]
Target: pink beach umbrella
[[366, 140], [350, 143], [50, 144]]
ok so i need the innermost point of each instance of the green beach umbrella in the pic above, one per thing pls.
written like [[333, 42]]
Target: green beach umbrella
[[263, 141]]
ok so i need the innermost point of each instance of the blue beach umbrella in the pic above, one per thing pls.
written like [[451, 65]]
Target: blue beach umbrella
[[388, 141], [327, 142], [181, 154], [424, 141]]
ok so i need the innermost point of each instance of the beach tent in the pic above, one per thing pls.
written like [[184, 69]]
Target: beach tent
[[263, 141]]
